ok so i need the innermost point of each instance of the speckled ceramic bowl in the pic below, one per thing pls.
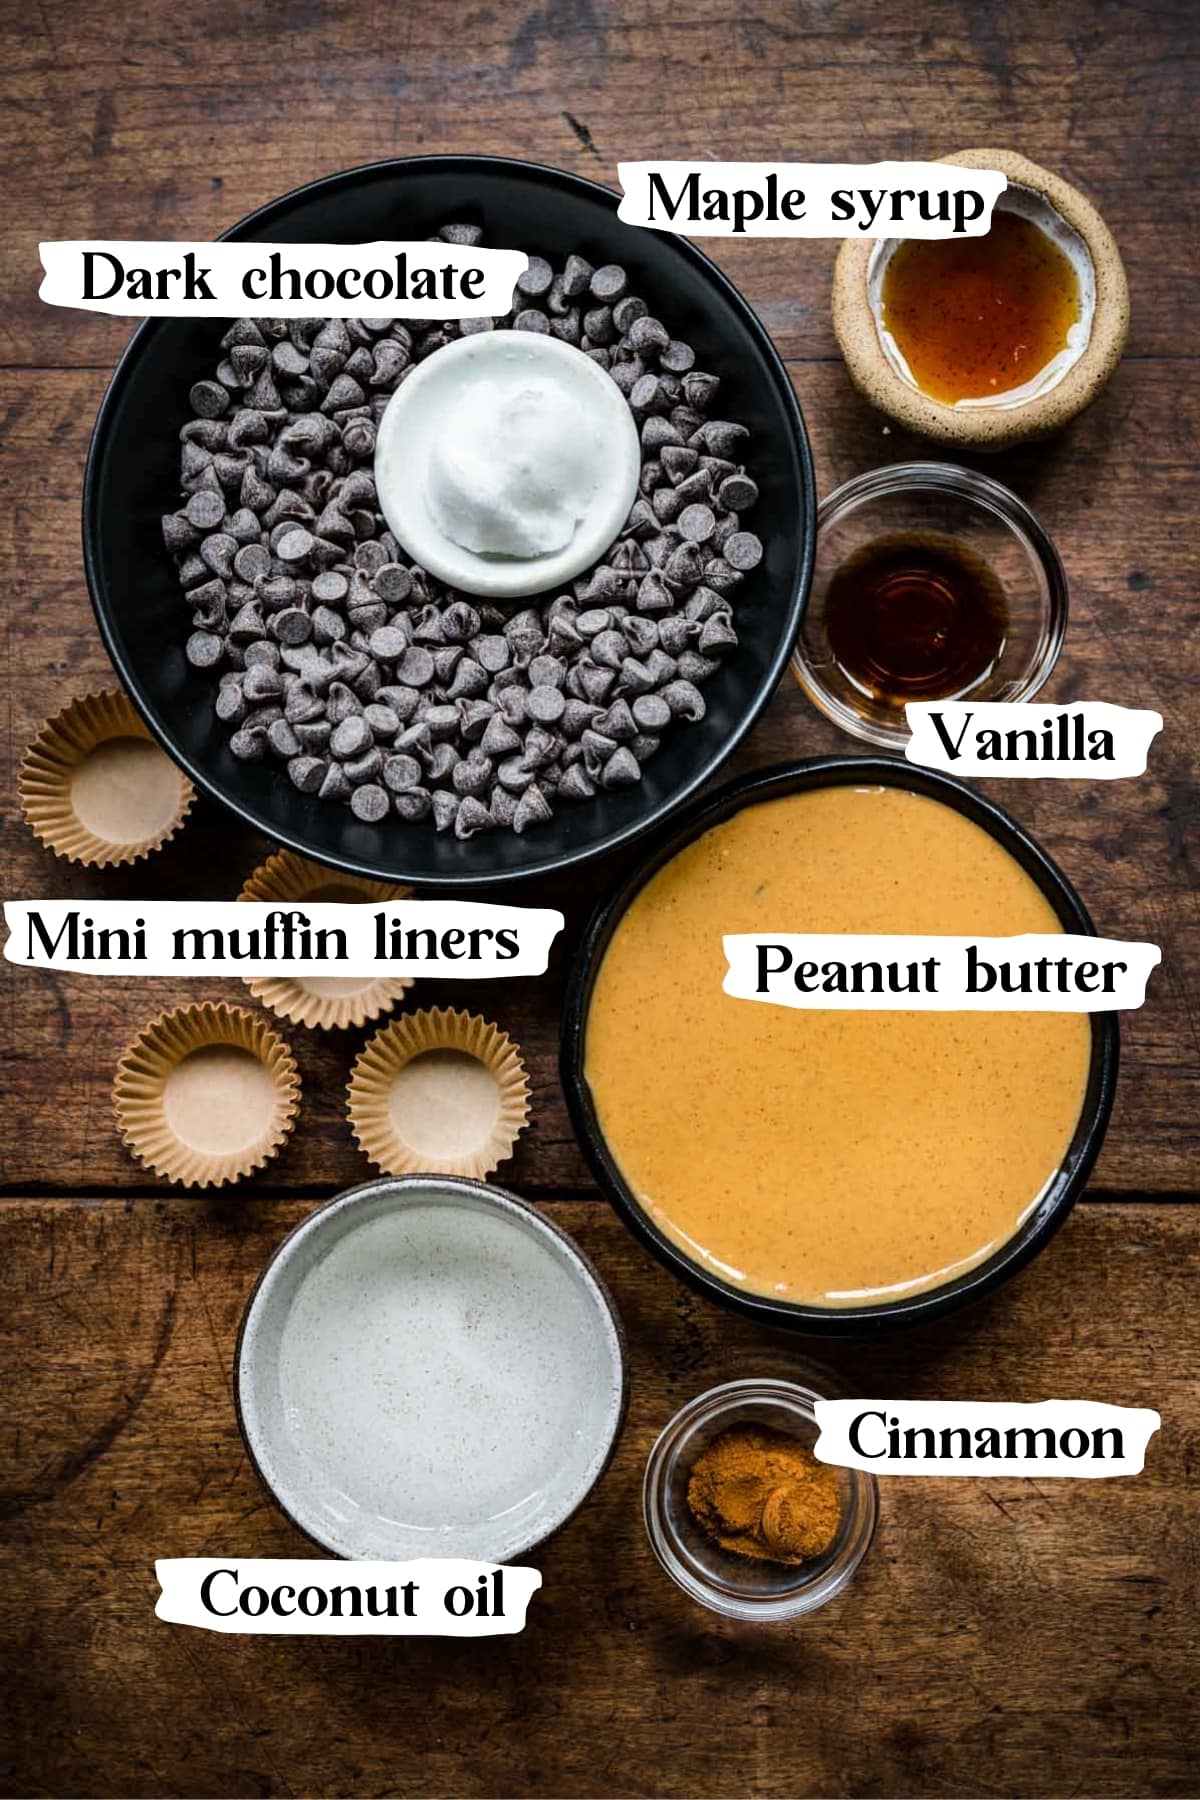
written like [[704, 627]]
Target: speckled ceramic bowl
[[1071, 385], [428, 1367]]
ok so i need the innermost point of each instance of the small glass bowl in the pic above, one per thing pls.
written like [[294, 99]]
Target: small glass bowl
[[982, 517], [734, 1585]]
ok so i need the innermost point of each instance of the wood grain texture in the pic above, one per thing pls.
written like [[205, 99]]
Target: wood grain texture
[[1130, 847], [1002, 1636], [132, 116]]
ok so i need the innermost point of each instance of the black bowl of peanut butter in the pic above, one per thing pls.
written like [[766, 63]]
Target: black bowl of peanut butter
[[832, 1170]]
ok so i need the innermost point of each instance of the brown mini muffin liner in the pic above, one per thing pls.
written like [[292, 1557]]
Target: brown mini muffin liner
[[288, 880], [46, 785], [152, 1124], [459, 1135]]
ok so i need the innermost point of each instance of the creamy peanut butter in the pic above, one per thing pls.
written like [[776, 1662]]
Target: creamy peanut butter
[[834, 1158]]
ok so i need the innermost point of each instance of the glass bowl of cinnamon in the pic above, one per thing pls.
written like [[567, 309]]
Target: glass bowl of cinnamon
[[739, 1512]]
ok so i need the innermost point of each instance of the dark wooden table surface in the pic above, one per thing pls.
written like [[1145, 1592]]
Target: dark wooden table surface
[[1003, 1637]]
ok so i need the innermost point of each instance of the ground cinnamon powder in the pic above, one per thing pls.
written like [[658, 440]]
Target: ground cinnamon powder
[[760, 1493]]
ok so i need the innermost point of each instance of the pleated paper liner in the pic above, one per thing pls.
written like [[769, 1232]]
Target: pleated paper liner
[[97, 789], [206, 1094], [438, 1093], [325, 1002]]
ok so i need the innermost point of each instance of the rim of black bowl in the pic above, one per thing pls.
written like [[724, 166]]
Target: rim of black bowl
[[1063, 1190], [572, 855]]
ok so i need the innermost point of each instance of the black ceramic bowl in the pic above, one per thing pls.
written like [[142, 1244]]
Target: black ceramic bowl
[[132, 478], [1063, 1191]]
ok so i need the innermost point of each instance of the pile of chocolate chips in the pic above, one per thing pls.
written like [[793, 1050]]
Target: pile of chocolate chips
[[374, 683]]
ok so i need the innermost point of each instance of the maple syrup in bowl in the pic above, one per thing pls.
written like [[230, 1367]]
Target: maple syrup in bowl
[[991, 320], [932, 583], [994, 339]]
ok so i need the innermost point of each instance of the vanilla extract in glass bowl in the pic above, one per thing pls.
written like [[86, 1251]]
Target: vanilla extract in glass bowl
[[932, 583], [915, 618]]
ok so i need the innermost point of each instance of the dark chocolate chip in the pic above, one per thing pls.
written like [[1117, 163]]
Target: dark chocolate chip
[[641, 633], [546, 704], [531, 810], [383, 720], [416, 666], [283, 739], [365, 767], [209, 399], [248, 745], [685, 565], [576, 784], [472, 774], [469, 235], [737, 492], [537, 278], [350, 738], [291, 626], [627, 311], [657, 433], [621, 770], [576, 277], [392, 582], [204, 650], [307, 773], [668, 503], [445, 805], [389, 643], [327, 626], [294, 545], [743, 551], [648, 335], [205, 509], [678, 357], [651, 712], [684, 700], [694, 667], [413, 805], [696, 523], [369, 803], [472, 818], [492, 652], [335, 784], [609, 283]]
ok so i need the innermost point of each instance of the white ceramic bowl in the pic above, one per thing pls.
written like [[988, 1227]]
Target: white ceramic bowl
[[448, 386], [428, 1367]]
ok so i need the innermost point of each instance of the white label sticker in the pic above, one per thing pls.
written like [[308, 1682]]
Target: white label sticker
[[981, 1437], [810, 200], [236, 937], [846, 971], [1094, 741], [386, 279], [307, 1597]]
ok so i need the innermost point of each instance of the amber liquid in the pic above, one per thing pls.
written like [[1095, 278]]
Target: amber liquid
[[915, 618], [973, 317]]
